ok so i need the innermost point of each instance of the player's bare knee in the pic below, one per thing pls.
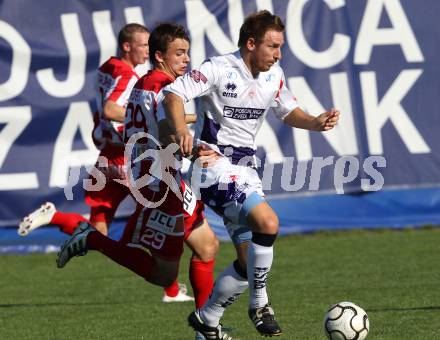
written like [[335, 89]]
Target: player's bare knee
[[272, 226], [268, 225], [207, 255], [208, 251], [213, 247]]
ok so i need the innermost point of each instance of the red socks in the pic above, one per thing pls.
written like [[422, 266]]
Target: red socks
[[135, 259], [201, 275], [172, 290], [67, 222]]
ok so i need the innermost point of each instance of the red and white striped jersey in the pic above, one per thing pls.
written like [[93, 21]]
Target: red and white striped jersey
[[114, 82], [141, 117], [141, 108]]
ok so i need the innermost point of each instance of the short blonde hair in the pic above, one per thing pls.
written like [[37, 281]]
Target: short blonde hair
[[126, 33]]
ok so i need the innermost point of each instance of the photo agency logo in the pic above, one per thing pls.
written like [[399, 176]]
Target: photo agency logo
[[162, 164], [150, 164], [293, 175]]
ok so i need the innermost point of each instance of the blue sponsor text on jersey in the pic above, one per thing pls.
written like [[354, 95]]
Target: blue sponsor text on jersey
[[242, 113]]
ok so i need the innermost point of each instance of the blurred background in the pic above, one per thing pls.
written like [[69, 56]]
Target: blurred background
[[376, 61]]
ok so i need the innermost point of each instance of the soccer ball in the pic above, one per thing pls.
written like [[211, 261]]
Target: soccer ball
[[346, 321]]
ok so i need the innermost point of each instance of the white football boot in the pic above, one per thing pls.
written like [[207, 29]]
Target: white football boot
[[40, 217], [182, 296]]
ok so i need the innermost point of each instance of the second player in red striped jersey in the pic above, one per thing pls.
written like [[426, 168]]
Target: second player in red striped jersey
[[169, 47], [114, 82]]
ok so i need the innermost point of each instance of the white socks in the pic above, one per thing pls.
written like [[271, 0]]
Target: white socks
[[259, 262], [228, 287]]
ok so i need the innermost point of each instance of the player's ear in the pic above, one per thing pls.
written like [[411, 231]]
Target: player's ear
[[251, 44], [126, 47], [158, 56]]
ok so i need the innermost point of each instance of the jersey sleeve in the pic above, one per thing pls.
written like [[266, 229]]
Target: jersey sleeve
[[196, 83], [123, 87], [284, 101]]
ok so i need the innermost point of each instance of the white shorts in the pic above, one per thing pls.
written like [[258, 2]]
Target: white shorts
[[231, 191]]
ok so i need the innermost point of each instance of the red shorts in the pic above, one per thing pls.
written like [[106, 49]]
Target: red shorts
[[192, 210], [160, 229], [105, 194]]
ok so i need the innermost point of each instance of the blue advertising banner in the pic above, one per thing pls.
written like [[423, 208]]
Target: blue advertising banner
[[374, 60]]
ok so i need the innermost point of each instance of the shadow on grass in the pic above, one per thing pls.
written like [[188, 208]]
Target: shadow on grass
[[403, 309]]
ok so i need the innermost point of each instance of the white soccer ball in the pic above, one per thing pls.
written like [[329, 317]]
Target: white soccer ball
[[346, 321]]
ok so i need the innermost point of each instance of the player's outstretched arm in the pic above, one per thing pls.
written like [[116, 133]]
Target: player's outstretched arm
[[302, 120], [175, 113]]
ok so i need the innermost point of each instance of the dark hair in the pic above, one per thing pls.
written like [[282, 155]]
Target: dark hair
[[162, 35], [257, 24], [126, 33]]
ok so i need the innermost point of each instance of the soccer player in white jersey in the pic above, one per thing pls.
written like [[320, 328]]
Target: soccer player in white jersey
[[236, 92]]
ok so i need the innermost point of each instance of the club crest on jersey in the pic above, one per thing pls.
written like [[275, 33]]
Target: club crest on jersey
[[230, 88], [242, 113], [198, 76]]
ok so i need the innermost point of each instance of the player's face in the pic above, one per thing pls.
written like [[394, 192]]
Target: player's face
[[267, 51], [176, 57], [138, 48]]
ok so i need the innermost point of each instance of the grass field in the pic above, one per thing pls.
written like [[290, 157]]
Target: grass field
[[393, 275]]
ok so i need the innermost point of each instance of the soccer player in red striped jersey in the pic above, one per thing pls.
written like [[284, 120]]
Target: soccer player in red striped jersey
[[169, 46], [152, 242], [169, 55], [114, 83]]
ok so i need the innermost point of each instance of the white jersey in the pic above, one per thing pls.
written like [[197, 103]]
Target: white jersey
[[233, 102]]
